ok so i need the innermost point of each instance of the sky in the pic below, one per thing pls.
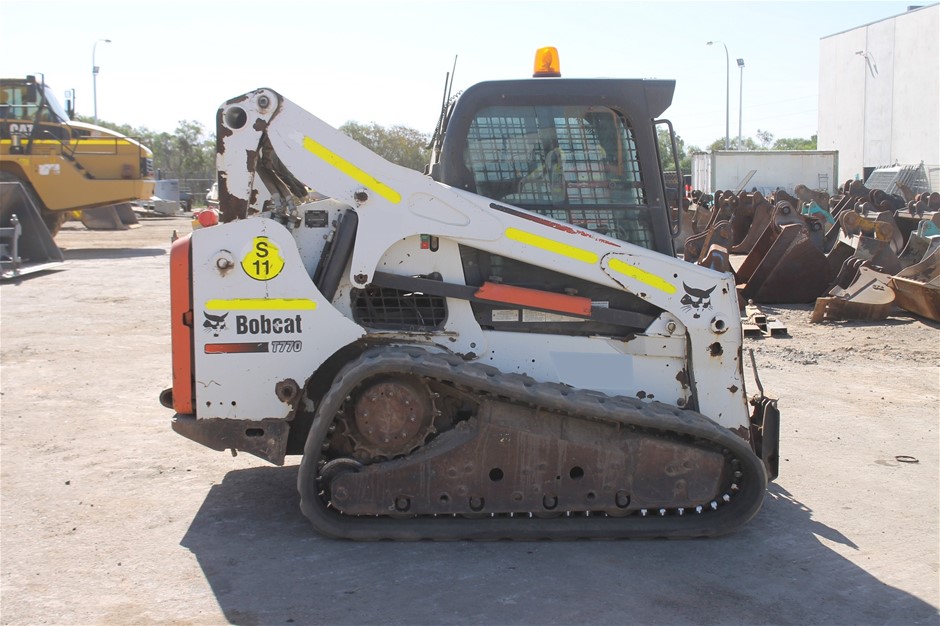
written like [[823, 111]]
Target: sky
[[386, 62]]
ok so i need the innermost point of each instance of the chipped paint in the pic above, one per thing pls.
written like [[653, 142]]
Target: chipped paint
[[743, 432], [683, 378]]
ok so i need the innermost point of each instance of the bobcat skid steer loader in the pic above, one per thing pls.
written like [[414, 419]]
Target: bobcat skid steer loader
[[504, 347]]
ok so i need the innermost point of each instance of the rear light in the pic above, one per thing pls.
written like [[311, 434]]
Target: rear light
[[206, 218]]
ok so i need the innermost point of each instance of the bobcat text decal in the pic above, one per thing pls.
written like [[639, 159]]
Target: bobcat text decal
[[247, 324], [264, 325]]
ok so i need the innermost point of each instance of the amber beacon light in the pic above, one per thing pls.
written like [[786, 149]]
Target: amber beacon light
[[546, 63]]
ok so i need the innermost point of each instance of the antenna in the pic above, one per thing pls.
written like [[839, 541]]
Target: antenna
[[452, 74], [448, 86]]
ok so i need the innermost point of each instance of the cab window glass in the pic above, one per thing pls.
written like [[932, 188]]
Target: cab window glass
[[577, 164], [555, 156], [16, 104], [21, 102]]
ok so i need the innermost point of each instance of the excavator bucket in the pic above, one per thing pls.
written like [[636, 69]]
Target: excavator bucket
[[918, 287], [915, 250], [868, 298], [26, 246], [114, 217], [763, 212], [698, 246], [126, 213], [786, 264]]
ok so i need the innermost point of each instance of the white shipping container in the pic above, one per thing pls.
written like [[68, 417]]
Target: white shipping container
[[765, 170]]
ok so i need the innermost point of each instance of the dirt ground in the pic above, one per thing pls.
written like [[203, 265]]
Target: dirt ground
[[108, 517]]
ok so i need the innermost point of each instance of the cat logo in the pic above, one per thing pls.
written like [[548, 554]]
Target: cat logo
[[21, 129], [214, 323], [697, 299]]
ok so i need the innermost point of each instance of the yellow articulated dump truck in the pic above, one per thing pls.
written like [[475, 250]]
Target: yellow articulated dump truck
[[50, 166]]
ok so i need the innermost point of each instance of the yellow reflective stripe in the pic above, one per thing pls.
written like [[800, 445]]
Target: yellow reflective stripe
[[104, 141], [551, 245], [262, 304], [644, 277], [352, 171]]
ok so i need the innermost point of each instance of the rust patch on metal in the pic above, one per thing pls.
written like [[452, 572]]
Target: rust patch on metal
[[715, 349], [221, 133], [287, 390], [683, 378], [265, 438], [733, 389], [231, 207], [260, 125]]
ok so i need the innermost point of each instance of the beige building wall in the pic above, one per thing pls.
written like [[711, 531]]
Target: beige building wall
[[879, 94]]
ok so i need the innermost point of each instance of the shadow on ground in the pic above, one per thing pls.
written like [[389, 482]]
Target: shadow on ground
[[266, 565]]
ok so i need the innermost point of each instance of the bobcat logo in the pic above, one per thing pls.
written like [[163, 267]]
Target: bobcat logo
[[697, 300], [214, 323]]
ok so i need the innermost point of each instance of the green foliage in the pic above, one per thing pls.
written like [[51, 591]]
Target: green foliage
[[665, 152], [765, 141], [189, 154], [747, 143], [766, 138], [795, 143], [399, 144]]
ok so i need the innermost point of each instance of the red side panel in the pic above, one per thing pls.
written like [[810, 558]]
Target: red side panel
[[181, 327], [535, 299]]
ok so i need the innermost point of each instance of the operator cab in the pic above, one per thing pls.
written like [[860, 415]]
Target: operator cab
[[29, 110], [581, 151]]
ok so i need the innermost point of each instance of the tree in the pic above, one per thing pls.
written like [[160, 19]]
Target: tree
[[795, 143], [190, 154], [399, 144], [765, 141], [665, 152], [765, 137], [747, 143]]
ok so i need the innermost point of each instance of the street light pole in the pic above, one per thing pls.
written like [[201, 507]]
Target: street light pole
[[94, 77], [740, 102], [727, 94]]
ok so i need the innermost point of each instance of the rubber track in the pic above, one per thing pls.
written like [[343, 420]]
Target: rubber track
[[484, 379]]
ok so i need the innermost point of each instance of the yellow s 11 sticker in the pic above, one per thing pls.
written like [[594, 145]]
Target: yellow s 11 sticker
[[264, 260]]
